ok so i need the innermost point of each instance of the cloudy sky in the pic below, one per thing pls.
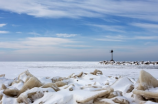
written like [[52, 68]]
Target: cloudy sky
[[78, 30]]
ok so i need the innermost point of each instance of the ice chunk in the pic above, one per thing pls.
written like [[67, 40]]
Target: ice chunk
[[146, 81], [121, 84]]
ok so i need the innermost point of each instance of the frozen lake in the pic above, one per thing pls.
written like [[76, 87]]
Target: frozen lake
[[43, 69], [82, 86]]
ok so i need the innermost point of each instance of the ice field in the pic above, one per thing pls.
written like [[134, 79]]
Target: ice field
[[77, 83], [42, 69]]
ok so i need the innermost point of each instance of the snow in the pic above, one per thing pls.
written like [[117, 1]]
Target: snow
[[18, 85], [51, 69], [121, 84], [78, 88], [5, 81]]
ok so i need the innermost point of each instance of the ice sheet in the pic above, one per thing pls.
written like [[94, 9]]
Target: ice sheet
[[51, 69]]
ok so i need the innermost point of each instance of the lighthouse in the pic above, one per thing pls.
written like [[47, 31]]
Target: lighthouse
[[111, 55]]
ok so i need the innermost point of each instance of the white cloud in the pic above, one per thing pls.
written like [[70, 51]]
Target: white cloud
[[146, 37], [35, 42], [3, 32], [113, 28], [66, 35], [1, 25], [112, 38], [141, 9], [45, 41], [125, 38], [42, 45], [146, 25], [82, 46], [108, 39]]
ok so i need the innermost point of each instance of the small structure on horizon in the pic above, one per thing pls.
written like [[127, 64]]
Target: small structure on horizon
[[111, 55]]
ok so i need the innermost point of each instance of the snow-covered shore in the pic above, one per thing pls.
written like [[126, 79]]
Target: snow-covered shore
[[77, 83]]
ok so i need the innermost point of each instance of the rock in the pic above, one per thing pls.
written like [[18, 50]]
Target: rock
[[71, 89]]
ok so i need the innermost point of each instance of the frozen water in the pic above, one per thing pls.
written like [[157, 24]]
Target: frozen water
[[50, 69], [83, 87]]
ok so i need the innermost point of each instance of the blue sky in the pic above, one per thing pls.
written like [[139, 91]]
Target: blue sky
[[78, 30]]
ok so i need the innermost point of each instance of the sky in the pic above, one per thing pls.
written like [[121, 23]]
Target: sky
[[78, 30]]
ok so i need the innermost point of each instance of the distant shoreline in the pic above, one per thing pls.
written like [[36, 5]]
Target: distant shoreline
[[129, 62]]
